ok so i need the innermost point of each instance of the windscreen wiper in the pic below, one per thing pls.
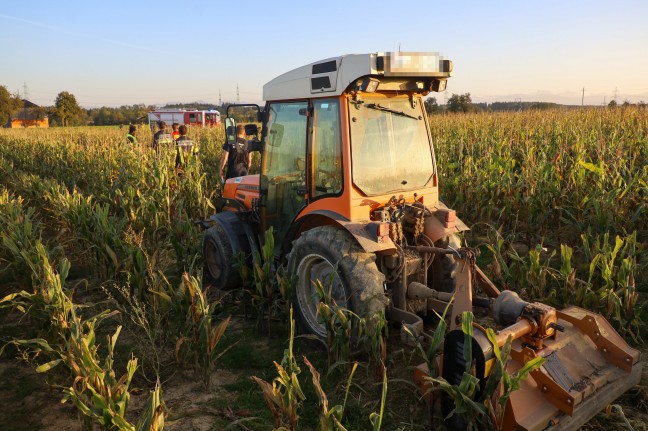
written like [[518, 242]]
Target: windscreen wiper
[[393, 111]]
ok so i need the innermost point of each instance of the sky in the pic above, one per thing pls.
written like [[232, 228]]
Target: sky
[[113, 52]]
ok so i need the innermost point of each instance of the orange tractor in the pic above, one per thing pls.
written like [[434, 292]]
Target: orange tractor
[[349, 185]]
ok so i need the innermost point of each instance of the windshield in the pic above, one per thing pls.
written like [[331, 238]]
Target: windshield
[[390, 146]]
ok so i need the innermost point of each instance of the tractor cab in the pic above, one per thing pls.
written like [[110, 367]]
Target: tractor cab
[[342, 137]]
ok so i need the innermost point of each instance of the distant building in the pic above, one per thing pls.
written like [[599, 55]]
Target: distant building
[[30, 115]]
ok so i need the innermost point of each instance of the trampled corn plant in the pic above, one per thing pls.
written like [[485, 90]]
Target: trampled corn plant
[[346, 331], [91, 222], [340, 324], [48, 304], [330, 418], [598, 275], [284, 395], [96, 391], [152, 418], [538, 274], [611, 281], [485, 409], [270, 289], [19, 234], [98, 394], [430, 354], [376, 418], [372, 339], [204, 335]]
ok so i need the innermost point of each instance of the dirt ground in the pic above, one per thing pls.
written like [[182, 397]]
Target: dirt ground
[[32, 401]]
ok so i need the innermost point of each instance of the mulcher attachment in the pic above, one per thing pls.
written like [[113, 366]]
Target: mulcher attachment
[[587, 363]]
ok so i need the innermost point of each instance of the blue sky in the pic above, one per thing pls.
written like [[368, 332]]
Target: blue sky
[[126, 52]]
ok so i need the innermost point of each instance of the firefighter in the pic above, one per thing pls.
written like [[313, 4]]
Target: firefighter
[[132, 130], [175, 134], [236, 156], [184, 147], [161, 137]]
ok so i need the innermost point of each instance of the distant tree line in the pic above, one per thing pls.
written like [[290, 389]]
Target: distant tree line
[[67, 112], [461, 103]]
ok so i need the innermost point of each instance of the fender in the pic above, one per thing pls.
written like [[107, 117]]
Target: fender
[[237, 231], [363, 231], [436, 229]]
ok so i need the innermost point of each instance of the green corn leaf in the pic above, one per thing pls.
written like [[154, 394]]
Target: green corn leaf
[[48, 366]]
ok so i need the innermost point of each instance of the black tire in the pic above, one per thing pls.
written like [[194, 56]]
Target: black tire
[[443, 270], [326, 253], [218, 260]]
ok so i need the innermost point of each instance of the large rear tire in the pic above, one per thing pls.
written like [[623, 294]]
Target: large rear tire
[[218, 266], [333, 257], [443, 270]]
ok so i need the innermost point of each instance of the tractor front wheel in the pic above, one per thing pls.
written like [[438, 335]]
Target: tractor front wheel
[[333, 257], [218, 269]]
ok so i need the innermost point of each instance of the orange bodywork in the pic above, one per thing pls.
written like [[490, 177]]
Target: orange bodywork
[[243, 189], [587, 367], [351, 204], [587, 363]]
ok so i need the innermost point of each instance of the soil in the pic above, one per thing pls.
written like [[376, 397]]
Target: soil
[[32, 401]]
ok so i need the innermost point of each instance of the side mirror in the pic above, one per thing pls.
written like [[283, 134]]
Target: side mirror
[[230, 130], [251, 129], [275, 135]]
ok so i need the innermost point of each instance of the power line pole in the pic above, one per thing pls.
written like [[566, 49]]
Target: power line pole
[[219, 98], [615, 94], [583, 97], [25, 94], [237, 94]]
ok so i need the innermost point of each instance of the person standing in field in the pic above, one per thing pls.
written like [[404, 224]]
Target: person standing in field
[[175, 134], [132, 131], [184, 147], [236, 156], [161, 137]]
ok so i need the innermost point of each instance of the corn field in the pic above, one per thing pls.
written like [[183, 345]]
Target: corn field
[[557, 201]]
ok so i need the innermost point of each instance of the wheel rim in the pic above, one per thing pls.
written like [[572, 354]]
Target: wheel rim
[[213, 260], [312, 268]]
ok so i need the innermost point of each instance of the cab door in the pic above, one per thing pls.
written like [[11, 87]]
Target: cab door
[[283, 179]]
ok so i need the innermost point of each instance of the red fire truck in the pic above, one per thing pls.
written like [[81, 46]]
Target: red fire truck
[[209, 118]]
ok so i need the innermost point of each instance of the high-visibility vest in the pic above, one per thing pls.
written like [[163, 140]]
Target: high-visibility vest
[[184, 147], [163, 139]]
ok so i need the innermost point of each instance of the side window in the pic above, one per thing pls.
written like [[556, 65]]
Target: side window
[[284, 165], [286, 149], [192, 118], [327, 148]]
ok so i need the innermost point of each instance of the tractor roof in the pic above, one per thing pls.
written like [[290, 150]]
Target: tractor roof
[[331, 77]]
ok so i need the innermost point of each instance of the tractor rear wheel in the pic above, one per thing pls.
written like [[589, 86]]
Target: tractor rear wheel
[[332, 256], [218, 269], [444, 266]]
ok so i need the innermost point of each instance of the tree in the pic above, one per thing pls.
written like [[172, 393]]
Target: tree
[[431, 105], [612, 104], [460, 103], [67, 109], [8, 105]]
